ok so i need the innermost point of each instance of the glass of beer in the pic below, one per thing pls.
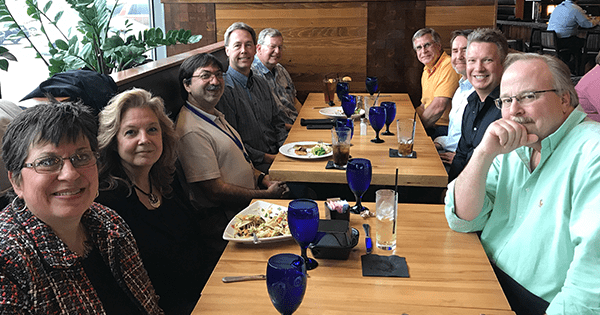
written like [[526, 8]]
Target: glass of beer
[[405, 133], [340, 143]]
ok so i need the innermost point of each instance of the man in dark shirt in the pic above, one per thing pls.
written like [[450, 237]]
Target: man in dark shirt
[[247, 102], [486, 51]]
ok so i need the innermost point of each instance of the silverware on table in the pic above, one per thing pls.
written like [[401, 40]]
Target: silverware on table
[[243, 278], [368, 240]]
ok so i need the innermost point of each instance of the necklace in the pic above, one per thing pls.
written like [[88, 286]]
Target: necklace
[[154, 201]]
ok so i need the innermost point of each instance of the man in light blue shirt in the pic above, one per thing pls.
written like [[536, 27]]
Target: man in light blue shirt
[[565, 20], [446, 145], [532, 187]]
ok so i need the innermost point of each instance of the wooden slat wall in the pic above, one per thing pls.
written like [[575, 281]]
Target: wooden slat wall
[[446, 18], [319, 38], [350, 37], [196, 17]]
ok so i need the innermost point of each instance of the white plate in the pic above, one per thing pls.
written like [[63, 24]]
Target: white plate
[[255, 208], [288, 150], [338, 112]]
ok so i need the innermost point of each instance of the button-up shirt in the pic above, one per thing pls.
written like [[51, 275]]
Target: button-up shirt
[[477, 117], [281, 86], [250, 109], [459, 102], [566, 18], [542, 226]]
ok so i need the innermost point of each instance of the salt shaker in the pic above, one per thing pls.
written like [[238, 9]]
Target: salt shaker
[[363, 126]]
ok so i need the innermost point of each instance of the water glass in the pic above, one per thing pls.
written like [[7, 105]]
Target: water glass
[[340, 144], [303, 220], [386, 207], [405, 133], [329, 87], [286, 282], [390, 115]]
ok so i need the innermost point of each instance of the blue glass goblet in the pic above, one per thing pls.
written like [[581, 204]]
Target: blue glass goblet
[[377, 119], [348, 104], [286, 282], [390, 115], [345, 122], [372, 85], [303, 220], [358, 175], [342, 89]]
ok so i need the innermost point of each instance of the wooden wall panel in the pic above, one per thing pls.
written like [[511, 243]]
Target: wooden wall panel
[[319, 38], [390, 55], [197, 17], [349, 37], [445, 19]]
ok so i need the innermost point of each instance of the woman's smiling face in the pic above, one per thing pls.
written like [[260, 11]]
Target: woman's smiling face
[[139, 139], [59, 196]]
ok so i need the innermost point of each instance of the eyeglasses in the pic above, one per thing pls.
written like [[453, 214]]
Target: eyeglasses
[[53, 164], [425, 46], [205, 76], [524, 98]]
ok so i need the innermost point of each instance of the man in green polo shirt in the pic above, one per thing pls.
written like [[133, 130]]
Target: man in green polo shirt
[[532, 187]]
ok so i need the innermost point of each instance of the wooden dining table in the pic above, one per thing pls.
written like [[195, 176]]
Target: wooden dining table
[[449, 273], [426, 170]]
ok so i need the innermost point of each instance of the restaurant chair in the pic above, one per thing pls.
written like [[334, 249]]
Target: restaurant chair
[[515, 44], [590, 50], [535, 41], [551, 45]]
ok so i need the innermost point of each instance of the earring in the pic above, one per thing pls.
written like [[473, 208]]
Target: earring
[[13, 203]]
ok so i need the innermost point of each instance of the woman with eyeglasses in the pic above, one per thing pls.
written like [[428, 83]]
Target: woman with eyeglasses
[[137, 179], [61, 253]]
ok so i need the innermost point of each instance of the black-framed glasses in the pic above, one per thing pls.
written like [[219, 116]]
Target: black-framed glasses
[[524, 98], [53, 164], [205, 76]]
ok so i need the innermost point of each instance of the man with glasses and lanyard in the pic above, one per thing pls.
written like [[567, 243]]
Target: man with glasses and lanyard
[[218, 171], [532, 187]]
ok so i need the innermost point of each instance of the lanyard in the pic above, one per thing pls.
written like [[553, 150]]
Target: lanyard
[[233, 138]]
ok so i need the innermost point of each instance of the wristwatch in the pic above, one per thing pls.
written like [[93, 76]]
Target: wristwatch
[[259, 181]]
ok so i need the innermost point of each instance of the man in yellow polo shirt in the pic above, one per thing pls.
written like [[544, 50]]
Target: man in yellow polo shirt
[[438, 82]]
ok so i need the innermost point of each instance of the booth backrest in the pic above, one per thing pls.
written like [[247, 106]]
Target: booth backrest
[[161, 77]]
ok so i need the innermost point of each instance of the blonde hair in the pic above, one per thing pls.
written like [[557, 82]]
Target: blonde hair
[[111, 169]]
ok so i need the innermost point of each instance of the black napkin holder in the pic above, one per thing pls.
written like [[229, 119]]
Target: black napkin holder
[[337, 240]]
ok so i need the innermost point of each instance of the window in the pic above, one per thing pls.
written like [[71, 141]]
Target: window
[[28, 72]]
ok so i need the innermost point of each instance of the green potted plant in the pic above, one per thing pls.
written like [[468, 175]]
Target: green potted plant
[[97, 46], [5, 56]]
